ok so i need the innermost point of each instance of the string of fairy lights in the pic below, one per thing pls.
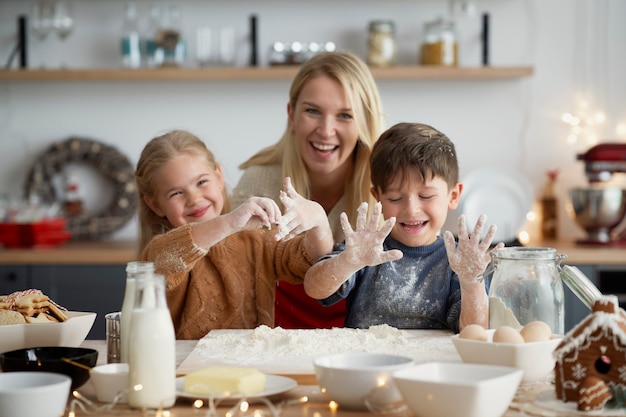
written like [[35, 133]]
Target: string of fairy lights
[[588, 121]]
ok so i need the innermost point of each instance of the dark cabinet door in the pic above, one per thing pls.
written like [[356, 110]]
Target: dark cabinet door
[[13, 278], [98, 288]]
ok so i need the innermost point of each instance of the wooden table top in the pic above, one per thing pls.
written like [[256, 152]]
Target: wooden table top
[[288, 404]]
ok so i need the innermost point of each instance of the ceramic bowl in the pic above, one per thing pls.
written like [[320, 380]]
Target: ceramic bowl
[[360, 380], [534, 358], [50, 359], [41, 394], [71, 332], [440, 389], [110, 380]]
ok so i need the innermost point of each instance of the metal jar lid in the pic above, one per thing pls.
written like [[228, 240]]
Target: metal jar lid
[[580, 285]]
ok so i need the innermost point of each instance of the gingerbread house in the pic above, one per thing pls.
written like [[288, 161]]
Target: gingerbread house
[[591, 358]]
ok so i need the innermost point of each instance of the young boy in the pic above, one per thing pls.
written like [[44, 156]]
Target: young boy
[[413, 278]]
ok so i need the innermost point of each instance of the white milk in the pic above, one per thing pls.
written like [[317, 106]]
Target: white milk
[[152, 354], [133, 269]]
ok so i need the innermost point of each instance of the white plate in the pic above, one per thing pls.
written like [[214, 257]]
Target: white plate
[[505, 197], [274, 384]]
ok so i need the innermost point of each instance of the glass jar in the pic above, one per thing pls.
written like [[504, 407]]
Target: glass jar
[[526, 286], [381, 44], [439, 46]]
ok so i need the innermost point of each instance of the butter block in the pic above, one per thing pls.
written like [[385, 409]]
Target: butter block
[[224, 379]]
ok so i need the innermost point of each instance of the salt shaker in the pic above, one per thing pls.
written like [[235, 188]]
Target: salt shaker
[[152, 355], [133, 270]]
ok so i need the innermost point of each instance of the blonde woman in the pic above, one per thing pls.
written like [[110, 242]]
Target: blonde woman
[[334, 116]]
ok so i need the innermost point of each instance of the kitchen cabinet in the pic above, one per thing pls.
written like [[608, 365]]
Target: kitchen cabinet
[[414, 72], [97, 287]]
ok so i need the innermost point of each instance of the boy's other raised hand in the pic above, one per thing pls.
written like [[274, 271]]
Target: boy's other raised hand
[[364, 245], [470, 257], [300, 214]]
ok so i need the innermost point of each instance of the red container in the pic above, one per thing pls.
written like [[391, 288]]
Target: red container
[[48, 232]]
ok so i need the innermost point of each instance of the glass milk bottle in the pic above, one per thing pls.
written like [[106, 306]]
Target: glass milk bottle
[[152, 356], [133, 270], [526, 286]]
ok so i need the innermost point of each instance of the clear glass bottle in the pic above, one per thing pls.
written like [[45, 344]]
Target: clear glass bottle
[[439, 46], [154, 53], [131, 42], [152, 354], [133, 270], [381, 44], [526, 286]]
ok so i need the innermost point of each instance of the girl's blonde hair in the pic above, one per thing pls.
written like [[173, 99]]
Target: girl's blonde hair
[[158, 152], [356, 79]]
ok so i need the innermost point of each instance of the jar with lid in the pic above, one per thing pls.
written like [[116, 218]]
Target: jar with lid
[[439, 46], [526, 286], [381, 44]]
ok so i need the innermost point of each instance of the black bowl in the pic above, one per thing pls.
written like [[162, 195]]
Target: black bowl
[[50, 359]]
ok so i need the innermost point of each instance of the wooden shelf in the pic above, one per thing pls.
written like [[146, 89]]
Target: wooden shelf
[[261, 73]]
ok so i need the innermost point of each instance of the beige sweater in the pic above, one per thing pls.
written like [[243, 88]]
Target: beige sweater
[[229, 287]]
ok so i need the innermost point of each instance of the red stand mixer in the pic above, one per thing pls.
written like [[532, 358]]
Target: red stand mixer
[[600, 209]]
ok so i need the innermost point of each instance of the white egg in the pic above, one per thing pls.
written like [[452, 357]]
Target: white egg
[[474, 332], [536, 331], [507, 334]]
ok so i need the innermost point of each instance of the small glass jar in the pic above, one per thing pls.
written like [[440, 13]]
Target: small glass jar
[[381, 44], [439, 46], [526, 286]]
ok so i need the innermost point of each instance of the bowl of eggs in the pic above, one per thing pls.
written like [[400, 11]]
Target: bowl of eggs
[[529, 348]]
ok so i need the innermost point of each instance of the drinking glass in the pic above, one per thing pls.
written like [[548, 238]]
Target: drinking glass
[[63, 19], [43, 14]]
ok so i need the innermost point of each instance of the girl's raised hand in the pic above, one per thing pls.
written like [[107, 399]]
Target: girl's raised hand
[[300, 215], [364, 246], [255, 212]]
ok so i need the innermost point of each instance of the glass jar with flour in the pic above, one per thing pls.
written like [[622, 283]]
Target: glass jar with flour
[[526, 286]]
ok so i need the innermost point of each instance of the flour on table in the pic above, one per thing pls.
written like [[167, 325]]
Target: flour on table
[[277, 350]]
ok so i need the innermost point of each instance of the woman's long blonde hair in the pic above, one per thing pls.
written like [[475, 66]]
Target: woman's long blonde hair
[[158, 152], [356, 79]]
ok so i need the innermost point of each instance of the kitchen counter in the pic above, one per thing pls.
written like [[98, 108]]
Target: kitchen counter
[[123, 252], [72, 253]]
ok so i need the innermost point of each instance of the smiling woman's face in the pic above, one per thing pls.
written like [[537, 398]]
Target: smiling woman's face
[[323, 124]]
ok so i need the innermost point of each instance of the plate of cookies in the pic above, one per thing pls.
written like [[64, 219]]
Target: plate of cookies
[[30, 318]]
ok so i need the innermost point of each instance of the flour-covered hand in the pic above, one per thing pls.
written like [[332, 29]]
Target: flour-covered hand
[[255, 212], [300, 215], [470, 257], [364, 246]]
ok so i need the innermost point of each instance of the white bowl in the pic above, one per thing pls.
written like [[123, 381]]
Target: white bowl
[[71, 332], [360, 380], [110, 380], [40, 394], [534, 358], [440, 389]]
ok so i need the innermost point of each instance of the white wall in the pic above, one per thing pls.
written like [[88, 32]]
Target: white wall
[[510, 124]]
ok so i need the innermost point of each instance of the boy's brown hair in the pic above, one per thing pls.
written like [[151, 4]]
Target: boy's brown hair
[[406, 148]]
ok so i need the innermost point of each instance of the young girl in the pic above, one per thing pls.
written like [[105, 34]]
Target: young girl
[[221, 267]]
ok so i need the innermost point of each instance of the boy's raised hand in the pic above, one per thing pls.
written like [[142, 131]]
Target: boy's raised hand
[[364, 246], [470, 257], [300, 215]]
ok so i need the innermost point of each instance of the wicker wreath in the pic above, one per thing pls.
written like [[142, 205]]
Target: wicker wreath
[[112, 164]]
